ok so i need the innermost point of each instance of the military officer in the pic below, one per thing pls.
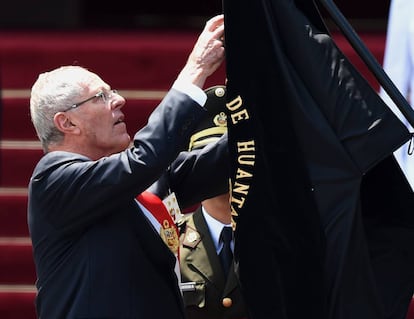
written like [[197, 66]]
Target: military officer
[[208, 291]]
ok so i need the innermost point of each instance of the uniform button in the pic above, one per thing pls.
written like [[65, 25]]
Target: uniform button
[[227, 302]]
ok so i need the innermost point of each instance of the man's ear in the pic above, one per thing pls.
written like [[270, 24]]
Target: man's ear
[[64, 124]]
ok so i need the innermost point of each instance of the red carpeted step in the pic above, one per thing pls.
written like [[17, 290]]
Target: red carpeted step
[[145, 60], [17, 164], [13, 214], [17, 302], [137, 113], [16, 123], [410, 313], [16, 261]]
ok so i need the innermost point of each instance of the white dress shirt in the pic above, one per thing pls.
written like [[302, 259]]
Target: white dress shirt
[[215, 228]]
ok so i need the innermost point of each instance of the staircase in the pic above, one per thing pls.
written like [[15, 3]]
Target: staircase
[[141, 65]]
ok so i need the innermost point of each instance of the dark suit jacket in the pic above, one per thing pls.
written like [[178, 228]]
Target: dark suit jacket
[[196, 175], [96, 255], [200, 263]]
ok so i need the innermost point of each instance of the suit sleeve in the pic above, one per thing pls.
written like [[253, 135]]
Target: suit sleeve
[[196, 175]]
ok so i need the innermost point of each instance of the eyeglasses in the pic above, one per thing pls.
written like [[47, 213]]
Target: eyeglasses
[[105, 96]]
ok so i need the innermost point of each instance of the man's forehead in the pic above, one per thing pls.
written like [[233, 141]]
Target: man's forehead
[[94, 82]]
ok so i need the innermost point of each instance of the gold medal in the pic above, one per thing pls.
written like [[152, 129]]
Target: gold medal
[[170, 236]]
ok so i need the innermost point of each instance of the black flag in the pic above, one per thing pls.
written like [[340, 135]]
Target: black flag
[[324, 228]]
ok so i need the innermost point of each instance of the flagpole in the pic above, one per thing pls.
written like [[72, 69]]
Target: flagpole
[[369, 60]]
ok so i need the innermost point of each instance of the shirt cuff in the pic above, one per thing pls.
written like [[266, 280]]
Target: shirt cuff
[[192, 91]]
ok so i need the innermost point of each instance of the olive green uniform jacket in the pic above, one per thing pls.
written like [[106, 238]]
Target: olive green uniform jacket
[[207, 294]]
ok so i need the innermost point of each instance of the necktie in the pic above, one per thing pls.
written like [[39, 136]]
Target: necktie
[[226, 255]]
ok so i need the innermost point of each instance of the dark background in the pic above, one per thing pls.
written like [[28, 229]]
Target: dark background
[[133, 14]]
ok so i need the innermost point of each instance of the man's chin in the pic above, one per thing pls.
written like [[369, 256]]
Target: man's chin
[[122, 144], [127, 143]]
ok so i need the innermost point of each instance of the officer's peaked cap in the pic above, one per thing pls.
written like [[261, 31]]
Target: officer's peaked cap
[[214, 125]]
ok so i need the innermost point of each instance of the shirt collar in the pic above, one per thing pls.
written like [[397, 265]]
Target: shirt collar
[[215, 228]]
